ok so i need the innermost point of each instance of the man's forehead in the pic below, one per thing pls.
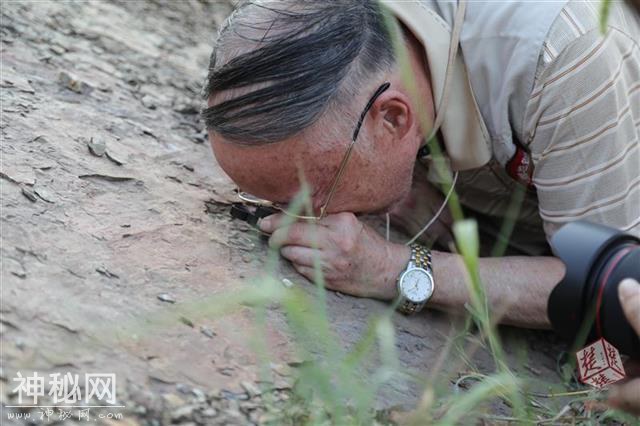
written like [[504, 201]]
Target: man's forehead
[[274, 171]]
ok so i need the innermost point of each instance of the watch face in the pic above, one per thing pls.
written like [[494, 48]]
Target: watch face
[[416, 285]]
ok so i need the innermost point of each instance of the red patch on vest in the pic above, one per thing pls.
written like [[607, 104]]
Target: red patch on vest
[[520, 167]]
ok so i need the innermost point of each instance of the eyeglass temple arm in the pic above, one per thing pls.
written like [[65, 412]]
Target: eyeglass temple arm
[[354, 137], [334, 184]]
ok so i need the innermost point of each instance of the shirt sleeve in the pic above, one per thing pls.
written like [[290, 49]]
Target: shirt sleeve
[[583, 131]]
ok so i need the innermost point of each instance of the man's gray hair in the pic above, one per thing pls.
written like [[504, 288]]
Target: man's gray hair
[[278, 66]]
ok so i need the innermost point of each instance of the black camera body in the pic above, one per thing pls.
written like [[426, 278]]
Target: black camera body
[[597, 258]]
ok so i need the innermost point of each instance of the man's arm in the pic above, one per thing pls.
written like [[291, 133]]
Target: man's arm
[[517, 287], [356, 260]]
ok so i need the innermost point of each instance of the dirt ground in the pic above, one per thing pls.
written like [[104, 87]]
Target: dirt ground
[[93, 240]]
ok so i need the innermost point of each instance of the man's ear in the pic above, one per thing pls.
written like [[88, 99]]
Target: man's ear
[[394, 108]]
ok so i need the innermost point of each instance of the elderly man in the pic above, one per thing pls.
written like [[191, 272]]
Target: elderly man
[[522, 95]]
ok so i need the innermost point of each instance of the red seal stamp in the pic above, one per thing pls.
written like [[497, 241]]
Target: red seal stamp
[[599, 364]]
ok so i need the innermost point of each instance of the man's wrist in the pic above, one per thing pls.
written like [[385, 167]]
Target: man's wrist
[[445, 273], [445, 269], [397, 256]]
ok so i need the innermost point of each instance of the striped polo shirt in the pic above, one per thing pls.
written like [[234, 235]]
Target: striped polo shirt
[[582, 123]]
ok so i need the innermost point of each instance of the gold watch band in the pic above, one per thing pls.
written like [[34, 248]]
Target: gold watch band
[[420, 256]]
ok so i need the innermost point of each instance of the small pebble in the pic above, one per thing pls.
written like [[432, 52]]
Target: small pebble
[[207, 332], [183, 389], [233, 396], [225, 371], [166, 297], [198, 138], [209, 412], [107, 273], [97, 146], [148, 102], [74, 84], [58, 50], [250, 388], [29, 193], [199, 395], [183, 413]]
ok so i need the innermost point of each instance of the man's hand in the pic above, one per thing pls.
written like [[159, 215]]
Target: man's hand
[[627, 396], [354, 258]]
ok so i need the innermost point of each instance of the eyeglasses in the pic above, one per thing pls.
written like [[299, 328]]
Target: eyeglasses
[[265, 204]]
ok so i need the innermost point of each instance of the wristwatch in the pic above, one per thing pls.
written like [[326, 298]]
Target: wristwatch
[[415, 283]]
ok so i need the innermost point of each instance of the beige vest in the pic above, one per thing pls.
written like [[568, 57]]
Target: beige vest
[[493, 72]]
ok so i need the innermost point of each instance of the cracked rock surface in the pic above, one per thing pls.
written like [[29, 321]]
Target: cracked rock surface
[[114, 212]]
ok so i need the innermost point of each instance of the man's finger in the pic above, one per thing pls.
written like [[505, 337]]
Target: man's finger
[[272, 222], [305, 271], [303, 256], [626, 397], [298, 234], [629, 294]]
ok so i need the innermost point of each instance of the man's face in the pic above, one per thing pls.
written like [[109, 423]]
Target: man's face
[[377, 176]]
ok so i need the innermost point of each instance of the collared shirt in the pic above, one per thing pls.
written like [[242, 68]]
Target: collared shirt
[[580, 130], [583, 119]]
